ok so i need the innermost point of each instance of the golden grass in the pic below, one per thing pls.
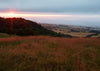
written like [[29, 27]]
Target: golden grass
[[45, 53]]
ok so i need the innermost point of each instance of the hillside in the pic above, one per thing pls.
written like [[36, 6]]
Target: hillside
[[45, 53], [22, 27]]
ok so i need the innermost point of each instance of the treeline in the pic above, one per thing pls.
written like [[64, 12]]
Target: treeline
[[22, 27]]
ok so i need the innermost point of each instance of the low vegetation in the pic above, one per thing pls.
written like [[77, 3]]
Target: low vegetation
[[22, 27], [45, 53], [4, 35]]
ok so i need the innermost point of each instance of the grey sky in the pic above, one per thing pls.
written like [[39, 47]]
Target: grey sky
[[52, 5], [91, 8]]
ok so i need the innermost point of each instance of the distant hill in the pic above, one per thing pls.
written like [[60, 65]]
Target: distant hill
[[22, 27]]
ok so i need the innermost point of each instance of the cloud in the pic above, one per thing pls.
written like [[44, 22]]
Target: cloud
[[52, 5]]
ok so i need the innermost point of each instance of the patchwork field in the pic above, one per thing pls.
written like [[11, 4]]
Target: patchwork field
[[75, 31], [45, 53], [74, 34]]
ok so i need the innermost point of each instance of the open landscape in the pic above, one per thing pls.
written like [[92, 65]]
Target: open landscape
[[75, 31], [29, 46], [49, 35], [40, 49]]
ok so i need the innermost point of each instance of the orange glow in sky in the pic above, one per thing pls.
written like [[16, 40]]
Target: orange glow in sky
[[13, 14]]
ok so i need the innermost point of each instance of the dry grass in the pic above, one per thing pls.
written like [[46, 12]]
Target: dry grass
[[75, 34], [44, 53], [79, 34]]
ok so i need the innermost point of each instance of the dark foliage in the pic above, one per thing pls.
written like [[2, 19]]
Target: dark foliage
[[22, 27], [95, 31]]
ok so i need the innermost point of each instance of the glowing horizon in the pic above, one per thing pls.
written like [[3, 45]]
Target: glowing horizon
[[13, 14]]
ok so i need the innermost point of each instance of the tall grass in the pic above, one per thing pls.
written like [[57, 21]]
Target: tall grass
[[44, 53]]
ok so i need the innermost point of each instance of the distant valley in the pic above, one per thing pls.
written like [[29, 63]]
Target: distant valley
[[75, 31]]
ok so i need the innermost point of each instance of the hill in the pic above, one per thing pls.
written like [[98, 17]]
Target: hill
[[22, 27], [45, 53]]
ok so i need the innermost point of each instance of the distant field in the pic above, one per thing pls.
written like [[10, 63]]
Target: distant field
[[96, 36], [74, 34], [75, 31], [44, 53]]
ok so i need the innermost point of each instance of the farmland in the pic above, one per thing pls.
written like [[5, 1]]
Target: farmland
[[45, 53], [75, 31]]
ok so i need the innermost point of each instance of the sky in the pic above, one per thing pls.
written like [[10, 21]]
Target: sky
[[69, 12]]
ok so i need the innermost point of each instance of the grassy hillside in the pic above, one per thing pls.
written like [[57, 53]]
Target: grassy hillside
[[23, 27], [44, 53]]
